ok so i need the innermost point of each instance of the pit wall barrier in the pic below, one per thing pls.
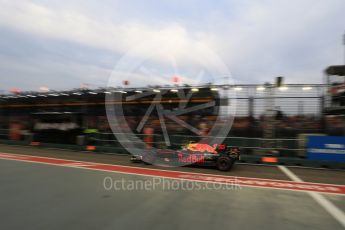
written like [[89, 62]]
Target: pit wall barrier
[[267, 159]]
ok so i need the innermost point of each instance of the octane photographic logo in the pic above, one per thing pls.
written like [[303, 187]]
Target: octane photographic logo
[[140, 115]]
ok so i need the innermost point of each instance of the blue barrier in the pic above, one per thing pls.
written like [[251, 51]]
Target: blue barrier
[[329, 148]]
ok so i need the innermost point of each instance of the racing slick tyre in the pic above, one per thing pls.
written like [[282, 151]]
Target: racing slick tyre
[[224, 163]]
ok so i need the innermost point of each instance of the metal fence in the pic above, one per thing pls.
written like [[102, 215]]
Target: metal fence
[[292, 99]]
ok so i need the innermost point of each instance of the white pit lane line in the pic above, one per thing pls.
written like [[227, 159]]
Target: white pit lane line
[[334, 211]]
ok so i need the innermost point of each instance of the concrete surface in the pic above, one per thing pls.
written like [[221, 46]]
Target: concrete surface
[[35, 196]]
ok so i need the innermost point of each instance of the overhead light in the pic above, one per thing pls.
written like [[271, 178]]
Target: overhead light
[[94, 93], [53, 94], [307, 88], [138, 91], [260, 88], [156, 90], [283, 88], [238, 88], [41, 95], [31, 96], [107, 92], [195, 89], [214, 89], [76, 93], [64, 94], [120, 91], [174, 90]]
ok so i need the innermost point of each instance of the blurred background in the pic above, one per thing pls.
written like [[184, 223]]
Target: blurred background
[[56, 60]]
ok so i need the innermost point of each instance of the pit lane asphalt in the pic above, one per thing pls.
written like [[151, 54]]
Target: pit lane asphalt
[[241, 170], [37, 196]]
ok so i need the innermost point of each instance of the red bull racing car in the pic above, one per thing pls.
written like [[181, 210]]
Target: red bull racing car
[[218, 155]]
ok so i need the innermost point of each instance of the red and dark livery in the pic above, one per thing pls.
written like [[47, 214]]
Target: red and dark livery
[[218, 155]]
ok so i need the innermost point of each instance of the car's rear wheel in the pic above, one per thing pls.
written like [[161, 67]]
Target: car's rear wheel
[[224, 163]]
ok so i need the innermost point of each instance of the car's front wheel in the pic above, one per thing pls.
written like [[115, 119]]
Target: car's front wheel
[[224, 163]]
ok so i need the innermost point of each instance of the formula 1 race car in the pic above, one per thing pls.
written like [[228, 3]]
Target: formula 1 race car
[[218, 155]]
